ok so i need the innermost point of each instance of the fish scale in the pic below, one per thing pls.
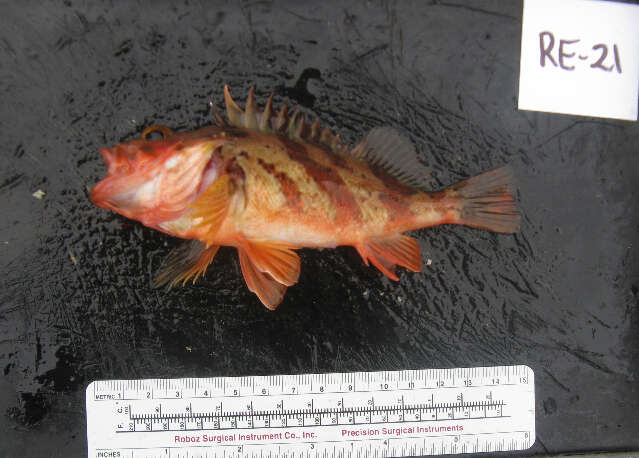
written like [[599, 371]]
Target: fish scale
[[344, 194]]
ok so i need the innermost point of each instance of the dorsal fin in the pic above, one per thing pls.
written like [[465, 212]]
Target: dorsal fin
[[387, 149], [383, 147], [279, 122]]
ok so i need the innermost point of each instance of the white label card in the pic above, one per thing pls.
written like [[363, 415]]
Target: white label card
[[580, 57]]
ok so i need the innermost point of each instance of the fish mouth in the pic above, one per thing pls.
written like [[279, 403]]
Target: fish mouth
[[118, 191], [131, 198], [126, 173], [109, 194], [103, 193]]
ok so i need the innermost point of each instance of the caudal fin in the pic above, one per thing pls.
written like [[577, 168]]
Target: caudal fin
[[486, 201]]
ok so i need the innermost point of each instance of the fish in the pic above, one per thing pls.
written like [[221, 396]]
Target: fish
[[269, 183]]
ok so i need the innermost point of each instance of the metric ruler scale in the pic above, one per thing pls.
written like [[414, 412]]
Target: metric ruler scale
[[390, 413]]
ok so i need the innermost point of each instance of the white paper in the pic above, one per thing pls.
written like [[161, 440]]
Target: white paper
[[598, 75]]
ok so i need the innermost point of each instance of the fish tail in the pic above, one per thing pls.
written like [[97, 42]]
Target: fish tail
[[487, 201]]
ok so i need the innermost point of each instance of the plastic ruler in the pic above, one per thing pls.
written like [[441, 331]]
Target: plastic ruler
[[359, 414]]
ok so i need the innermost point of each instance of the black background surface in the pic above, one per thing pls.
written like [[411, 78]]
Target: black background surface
[[76, 302]]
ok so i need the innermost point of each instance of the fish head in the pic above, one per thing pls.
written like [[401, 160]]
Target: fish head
[[154, 181]]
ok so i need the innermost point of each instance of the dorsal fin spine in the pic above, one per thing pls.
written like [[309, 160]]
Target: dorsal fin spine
[[315, 128], [291, 123], [281, 119], [250, 111], [294, 127], [265, 120], [300, 128], [219, 120], [233, 112], [325, 135]]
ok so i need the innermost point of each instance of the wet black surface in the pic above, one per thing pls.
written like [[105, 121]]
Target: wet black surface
[[76, 302]]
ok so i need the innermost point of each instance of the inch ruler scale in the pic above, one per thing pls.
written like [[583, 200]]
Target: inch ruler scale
[[390, 413]]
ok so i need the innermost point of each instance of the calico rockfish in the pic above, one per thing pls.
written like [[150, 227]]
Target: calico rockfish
[[268, 184]]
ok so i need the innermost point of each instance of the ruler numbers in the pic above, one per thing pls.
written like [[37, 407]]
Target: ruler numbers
[[395, 413]]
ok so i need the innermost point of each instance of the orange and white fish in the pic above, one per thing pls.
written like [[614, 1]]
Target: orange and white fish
[[268, 184]]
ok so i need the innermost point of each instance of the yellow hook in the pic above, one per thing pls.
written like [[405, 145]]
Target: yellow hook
[[164, 130]]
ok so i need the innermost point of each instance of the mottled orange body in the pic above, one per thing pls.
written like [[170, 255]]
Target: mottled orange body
[[298, 193], [270, 184]]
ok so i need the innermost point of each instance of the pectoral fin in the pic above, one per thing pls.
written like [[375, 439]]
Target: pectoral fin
[[386, 253], [189, 260], [212, 206]]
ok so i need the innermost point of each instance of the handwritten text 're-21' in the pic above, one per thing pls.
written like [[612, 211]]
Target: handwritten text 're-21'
[[567, 56]]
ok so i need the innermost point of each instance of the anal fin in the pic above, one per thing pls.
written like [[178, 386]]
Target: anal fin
[[386, 253], [189, 260]]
